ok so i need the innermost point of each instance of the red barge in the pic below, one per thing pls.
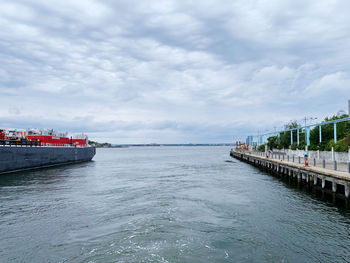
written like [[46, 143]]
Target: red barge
[[37, 148]]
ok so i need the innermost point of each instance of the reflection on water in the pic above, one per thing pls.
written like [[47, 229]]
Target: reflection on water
[[40, 176], [167, 204]]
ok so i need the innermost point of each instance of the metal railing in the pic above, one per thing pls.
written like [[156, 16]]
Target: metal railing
[[322, 163], [26, 143], [19, 143]]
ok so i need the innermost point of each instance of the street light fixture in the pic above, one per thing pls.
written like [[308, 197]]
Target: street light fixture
[[305, 120]]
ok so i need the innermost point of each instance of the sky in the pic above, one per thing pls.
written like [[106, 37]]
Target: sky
[[172, 71]]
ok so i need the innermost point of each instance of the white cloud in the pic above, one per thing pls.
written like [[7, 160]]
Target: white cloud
[[171, 71], [334, 82]]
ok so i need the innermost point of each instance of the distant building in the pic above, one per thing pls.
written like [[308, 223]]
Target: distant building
[[342, 113], [249, 140]]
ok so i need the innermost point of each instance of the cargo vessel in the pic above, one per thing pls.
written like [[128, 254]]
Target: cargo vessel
[[38, 148]]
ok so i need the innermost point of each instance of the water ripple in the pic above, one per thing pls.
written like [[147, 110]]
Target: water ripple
[[166, 204]]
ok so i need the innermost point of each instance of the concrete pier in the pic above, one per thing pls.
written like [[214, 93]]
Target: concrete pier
[[336, 182]]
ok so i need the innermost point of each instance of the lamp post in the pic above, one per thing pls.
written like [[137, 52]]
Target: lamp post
[[307, 129]]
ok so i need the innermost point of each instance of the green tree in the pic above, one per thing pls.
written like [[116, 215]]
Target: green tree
[[284, 140], [272, 142], [261, 148], [327, 134], [327, 130], [293, 125]]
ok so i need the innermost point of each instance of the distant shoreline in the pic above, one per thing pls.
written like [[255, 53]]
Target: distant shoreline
[[159, 145]]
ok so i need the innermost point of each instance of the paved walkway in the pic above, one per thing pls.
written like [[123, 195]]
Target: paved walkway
[[343, 167]]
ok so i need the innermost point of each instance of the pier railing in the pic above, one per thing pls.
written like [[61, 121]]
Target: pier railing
[[19, 143], [295, 158]]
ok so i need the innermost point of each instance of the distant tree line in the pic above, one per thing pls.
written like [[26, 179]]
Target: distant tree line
[[100, 145], [327, 136]]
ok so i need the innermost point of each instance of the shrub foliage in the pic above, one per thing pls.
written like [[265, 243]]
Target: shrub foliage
[[283, 140]]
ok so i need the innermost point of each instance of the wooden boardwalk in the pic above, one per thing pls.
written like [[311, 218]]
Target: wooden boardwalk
[[337, 181]]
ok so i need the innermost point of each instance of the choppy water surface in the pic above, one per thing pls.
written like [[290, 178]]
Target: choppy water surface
[[165, 204]]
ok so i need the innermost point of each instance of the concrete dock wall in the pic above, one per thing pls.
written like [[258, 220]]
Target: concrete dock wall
[[21, 157], [336, 182]]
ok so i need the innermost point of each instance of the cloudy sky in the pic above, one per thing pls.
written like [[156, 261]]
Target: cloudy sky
[[171, 71]]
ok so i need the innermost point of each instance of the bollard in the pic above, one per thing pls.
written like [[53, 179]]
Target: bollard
[[299, 159], [324, 163], [335, 165], [288, 157], [348, 167], [315, 162]]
